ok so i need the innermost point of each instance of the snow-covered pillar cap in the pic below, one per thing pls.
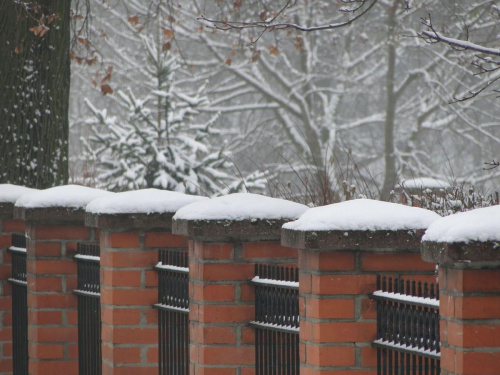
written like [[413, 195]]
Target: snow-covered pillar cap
[[241, 216], [359, 224], [468, 239], [9, 194], [66, 203], [147, 208]]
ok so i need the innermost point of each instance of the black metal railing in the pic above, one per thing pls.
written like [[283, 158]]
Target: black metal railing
[[19, 305], [407, 327], [89, 308], [276, 320], [173, 312]]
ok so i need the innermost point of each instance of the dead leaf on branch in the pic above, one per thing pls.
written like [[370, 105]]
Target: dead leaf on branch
[[255, 56], [133, 20], [168, 33], [166, 46], [273, 51], [39, 30], [106, 89], [228, 61]]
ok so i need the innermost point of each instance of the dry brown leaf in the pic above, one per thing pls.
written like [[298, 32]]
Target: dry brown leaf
[[255, 56], [168, 33], [273, 51], [228, 61], [134, 20], [106, 89]]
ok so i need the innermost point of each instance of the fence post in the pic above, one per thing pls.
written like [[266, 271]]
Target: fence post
[[338, 267], [133, 226], [54, 223], [8, 225], [469, 282], [228, 235]]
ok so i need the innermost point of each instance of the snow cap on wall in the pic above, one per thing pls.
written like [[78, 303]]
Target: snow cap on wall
[[142, 201], [241, 206], [70, 196], [482, 224], [11, 193], [424, 183], [363, 214]]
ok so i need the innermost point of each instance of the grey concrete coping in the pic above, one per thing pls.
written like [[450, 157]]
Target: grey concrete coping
[[461, 252], [251, 230], [130, 221], [52, 215], [353, 240], [6, 210]]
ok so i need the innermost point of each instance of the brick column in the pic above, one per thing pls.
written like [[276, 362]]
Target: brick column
[[8, 225], [469, 303], [222, 255], [129, 283], [337, 274], [52, 234]]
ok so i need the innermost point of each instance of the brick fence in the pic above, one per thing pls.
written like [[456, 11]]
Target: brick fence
[[337, 275]]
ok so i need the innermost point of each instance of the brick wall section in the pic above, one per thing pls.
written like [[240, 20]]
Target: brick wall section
[[337, 274], [222, 260], [469, 306], [52, 235], [129, 289], [8, 225]]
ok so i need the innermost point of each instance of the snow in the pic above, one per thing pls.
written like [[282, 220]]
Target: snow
[[241, 206], [11, 193], [363, 214], [424, 182], [482, 224], [169, 267], [74, 196], [432, 302], [289, 284], [142, 201]]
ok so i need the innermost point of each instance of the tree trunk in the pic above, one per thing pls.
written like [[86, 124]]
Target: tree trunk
[[35, 79], [390, 110]]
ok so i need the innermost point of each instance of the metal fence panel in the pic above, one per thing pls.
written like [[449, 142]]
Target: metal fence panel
[[173, 312], [276, 320], [19, 305], [89, 309], [407, 327]]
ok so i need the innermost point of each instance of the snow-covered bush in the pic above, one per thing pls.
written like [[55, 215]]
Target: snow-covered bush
[[158, 142]]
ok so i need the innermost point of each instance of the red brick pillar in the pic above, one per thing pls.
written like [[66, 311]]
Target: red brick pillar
[[469, 287], [54, 224], [133, 226], [8, 225], [223, 251], [338, 267]]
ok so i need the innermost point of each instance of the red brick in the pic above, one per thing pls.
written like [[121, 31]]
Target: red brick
[[49, 232], [6, 350], [152, 316], [126, 335], [122, 355], [54, 267], [227, 355], [213, 335], [52, 249], [201, 370], [53, 367], [5, 334], [214, 292], [330, 355], [122, 258], [128, 297], [43, 301], [247, 335], [152, 355], [394, 262], [14, 225], [473, 335], [46, 351], [5, 271], [71, 283], [165, 239], [448, 359], [485, 281], [247, 292], [121, 277], [226, 272], [37, 317], [213, 250], [226, 313], [477, 363], [368, 308], [477, 307], [5, 240], [344, 332], [268, 250], [52, 334], [343, 284], [330, 308], [121, 240], [368, 357], [327, 261], [72, 350], [45, 284], [151, 278], [71, 248], [305, 330], [120, 316], [305, 283]]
